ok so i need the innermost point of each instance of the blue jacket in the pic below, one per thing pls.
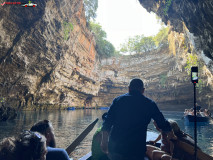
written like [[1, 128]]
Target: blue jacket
[[56, 154], [127, 121]]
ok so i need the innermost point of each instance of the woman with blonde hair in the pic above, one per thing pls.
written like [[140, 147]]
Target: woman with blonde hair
[[168, 150]]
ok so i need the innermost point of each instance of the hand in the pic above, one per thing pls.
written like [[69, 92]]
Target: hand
[[151, 142]]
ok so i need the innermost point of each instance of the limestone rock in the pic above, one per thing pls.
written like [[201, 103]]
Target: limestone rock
[[47, 55], [196, 15], [7, 113], [164, 75]]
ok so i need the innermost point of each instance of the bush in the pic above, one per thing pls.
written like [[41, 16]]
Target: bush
[[103, 47]]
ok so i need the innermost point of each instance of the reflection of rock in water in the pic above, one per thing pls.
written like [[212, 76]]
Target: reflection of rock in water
[[7, 113]]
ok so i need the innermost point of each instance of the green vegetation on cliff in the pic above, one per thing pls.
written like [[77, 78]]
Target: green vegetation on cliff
[[103, 47], [192, 60], [90, 7], [167, 6], [68, 27], [140, 43]]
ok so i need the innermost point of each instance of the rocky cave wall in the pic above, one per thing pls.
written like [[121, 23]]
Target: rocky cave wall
[[47, 55], [196, 15]]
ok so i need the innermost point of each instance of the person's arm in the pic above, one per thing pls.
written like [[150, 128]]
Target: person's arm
[[157, 139], [110, 118], [162, 123], [107, 125]]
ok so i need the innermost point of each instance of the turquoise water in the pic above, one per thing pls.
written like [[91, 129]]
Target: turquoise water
[[69, 124]]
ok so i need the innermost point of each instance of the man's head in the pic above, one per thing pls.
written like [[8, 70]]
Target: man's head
[[136, 85], [45, 127]]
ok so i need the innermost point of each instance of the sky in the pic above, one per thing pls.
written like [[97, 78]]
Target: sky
[[122, 19]]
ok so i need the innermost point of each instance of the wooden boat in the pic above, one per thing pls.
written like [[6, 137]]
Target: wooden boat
[[190, 118], [153, 135], [150, 136]]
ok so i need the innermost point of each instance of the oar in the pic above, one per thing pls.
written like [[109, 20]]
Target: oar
[[80, 138]]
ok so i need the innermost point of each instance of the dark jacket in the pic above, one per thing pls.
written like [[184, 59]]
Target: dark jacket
[[127, 121], [56, 154]]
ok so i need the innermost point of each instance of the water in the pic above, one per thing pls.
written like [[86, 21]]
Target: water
[[69, 124]]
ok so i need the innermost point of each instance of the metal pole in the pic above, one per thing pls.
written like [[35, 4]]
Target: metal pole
[[195, 123]]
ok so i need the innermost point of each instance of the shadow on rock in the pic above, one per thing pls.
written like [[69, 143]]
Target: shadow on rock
[[7, 113]]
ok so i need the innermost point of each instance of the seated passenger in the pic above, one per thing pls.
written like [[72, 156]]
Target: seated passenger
[[207, 112], [97, 153], [27, 146], [179, 152], [155, 153], [176, 152], [202, 113], [191, 112], [186, 112], [45, 128]]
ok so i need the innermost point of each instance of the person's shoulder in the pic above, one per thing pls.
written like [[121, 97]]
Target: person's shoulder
[[56, 153], [50, 149], [149, 100], [121, 96]]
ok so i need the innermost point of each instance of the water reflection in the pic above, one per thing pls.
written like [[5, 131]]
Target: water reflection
[[69, 124]]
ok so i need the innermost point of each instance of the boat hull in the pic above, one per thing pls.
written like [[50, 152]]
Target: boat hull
[[190, 118]]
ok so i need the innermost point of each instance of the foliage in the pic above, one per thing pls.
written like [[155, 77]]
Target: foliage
[[191, 61], [162, 37], [2, 99], [68, 27], [200, 85], [90, 7], [168, 4], [140, 43], [104, 48], [163, 80]]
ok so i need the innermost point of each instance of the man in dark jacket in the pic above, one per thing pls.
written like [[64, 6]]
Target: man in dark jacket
[[124, 130]]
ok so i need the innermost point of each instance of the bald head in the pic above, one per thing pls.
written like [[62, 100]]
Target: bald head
[[136, 85]]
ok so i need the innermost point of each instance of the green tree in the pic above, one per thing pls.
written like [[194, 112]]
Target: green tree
[[161, 37], [192, 60], [147, 44], [104, 48], [90, 7], [138, 44]]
